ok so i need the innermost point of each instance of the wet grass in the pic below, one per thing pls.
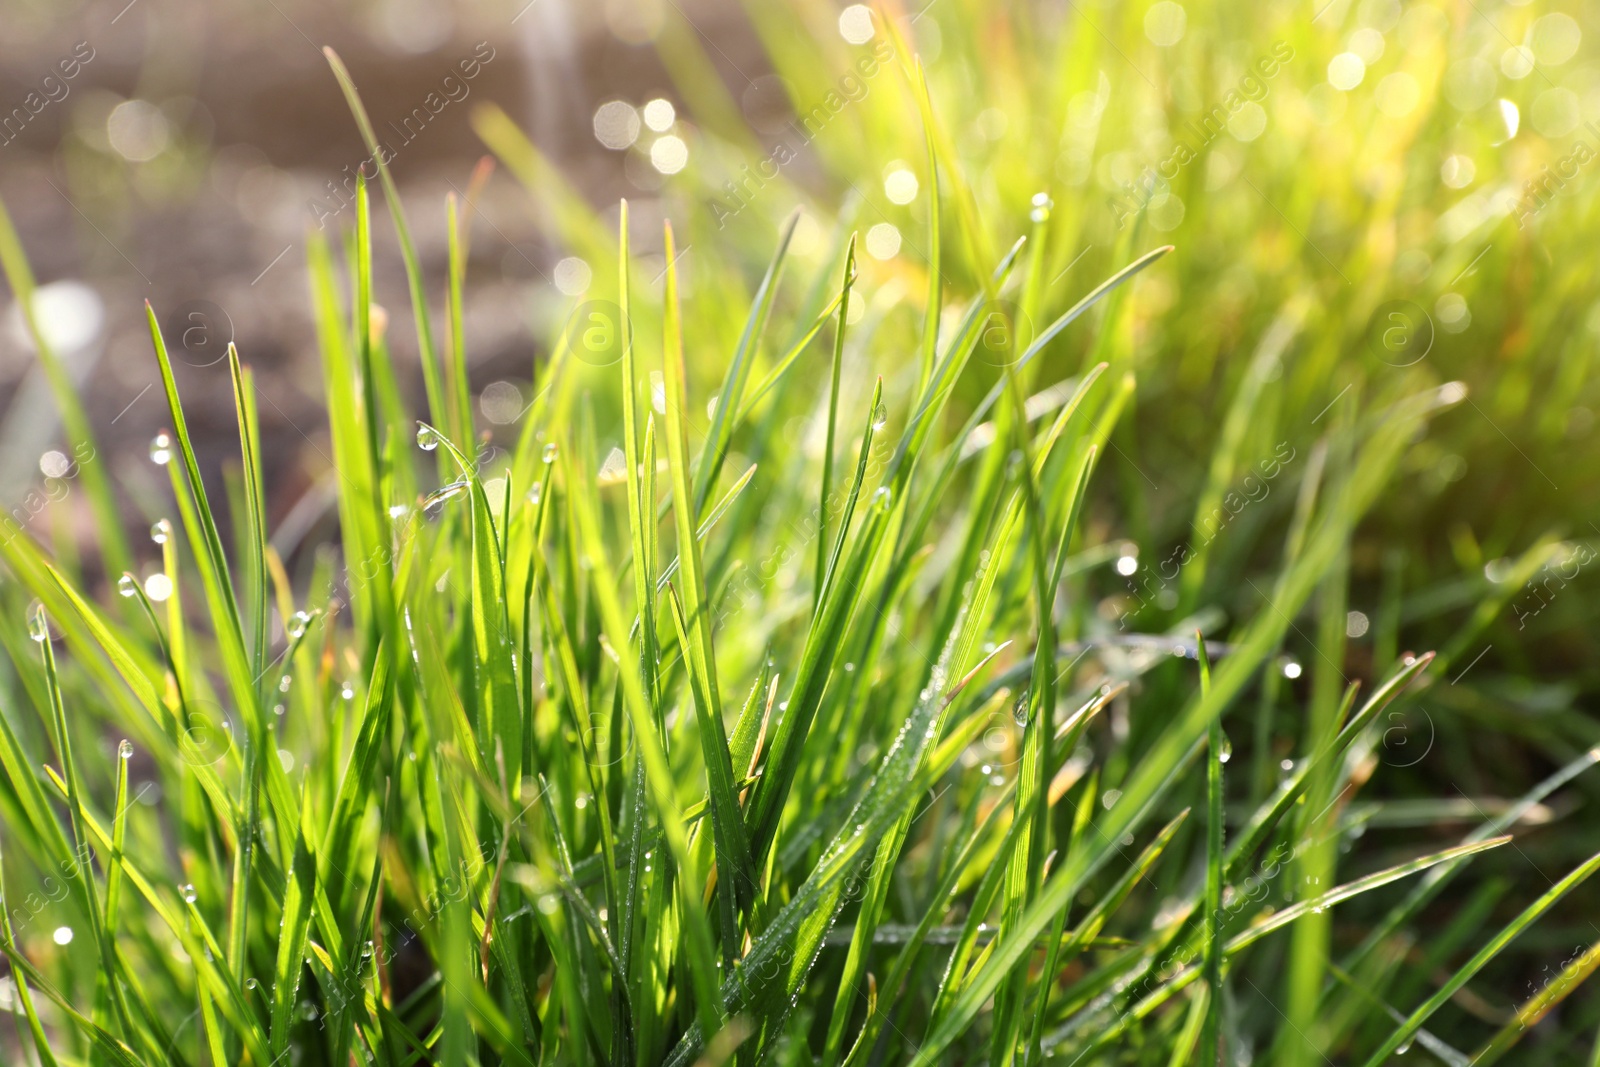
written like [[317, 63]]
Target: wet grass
[[1061, 641]]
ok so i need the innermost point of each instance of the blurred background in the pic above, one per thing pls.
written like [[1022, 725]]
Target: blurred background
[[194, 145]]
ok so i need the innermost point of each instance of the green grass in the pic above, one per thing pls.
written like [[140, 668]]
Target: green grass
[[901, 699]]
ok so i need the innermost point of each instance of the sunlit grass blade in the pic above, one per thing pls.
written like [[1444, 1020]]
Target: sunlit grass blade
[[1575, 971], [1266, 924], [1492, 948], [833, 418], [109, 1002], [736, 876], [105, 1042], [293, 933], [1430, 886], [220, 593], [1217, 754], [457, 388], [437, 408], [657, 773], [41, 1043], [728, 404], [500, 710]]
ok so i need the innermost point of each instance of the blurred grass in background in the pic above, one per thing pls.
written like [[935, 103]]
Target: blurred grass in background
[[1349, 418]]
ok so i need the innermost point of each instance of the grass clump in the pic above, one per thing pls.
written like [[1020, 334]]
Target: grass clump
[[776, 706]]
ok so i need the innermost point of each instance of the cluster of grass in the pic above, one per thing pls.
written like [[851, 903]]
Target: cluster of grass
[[790, 686]]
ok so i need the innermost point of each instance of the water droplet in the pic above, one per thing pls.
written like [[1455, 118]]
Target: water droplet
[[398, 512], [446, 492], [251, 984], [187, 892], [285, 682], [1404, 1048], [62, 935], [125, 749], [1225, 753], [366, 950], [297, 626], [883, 498], [161, 531], [39, 626], [880, 416], [1291, 669], [127, 585], [535, 493], [1041, 207], [427, 438], [1020, 711], [161, 449], [349, 691], [550, 453], [1286, 765]]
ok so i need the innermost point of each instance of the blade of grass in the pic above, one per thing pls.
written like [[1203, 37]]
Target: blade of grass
[[658, 774], [293, 933], [1405, 1031], [733, 851], [728, 404], [833, 416], [437, 408], [1216, 755], [1574, 973], [41, 1043]]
